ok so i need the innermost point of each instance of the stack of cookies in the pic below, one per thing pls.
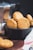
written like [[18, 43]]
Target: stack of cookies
[[19, 21]]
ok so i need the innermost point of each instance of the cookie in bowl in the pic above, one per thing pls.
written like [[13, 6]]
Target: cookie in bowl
[[17, 15], [23, 23], [29, 17], [11, 23]]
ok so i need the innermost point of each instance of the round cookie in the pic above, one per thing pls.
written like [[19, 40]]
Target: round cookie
[[29, 17], [11, 23], [23, 23], [17, 15]]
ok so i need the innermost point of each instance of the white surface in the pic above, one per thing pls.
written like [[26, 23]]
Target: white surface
[[29, 38]]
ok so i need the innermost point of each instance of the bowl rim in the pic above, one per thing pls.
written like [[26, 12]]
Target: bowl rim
[[18, 28]]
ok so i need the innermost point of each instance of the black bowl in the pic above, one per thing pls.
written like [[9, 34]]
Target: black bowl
[[16, 34]]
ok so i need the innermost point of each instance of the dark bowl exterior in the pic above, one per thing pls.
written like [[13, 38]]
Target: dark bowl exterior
[[17, 34]]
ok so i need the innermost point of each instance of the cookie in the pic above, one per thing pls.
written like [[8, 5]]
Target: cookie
[[5, 43], [29, 17], [11, 23], [23, 23], [17, 15]]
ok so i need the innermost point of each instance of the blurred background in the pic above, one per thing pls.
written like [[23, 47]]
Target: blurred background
[[26, 5]]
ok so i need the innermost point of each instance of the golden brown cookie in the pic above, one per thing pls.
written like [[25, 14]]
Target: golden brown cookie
[[5, 43], [23, 23], [11, 23], [8, 43], [17, 15], [29, 17]]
